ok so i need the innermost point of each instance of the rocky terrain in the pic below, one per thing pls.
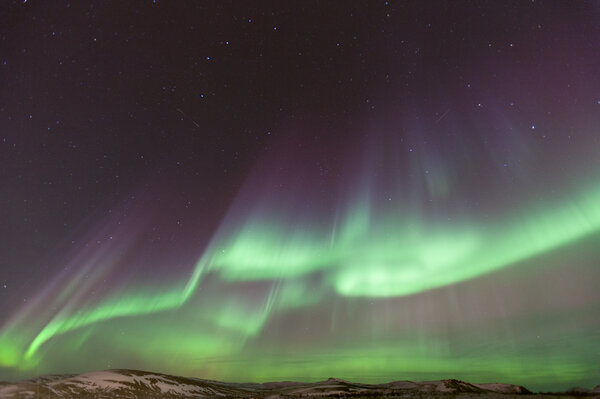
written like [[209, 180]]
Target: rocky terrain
[[140, 384]]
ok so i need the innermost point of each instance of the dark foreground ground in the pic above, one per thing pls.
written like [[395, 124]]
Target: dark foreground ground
[[141, 384]]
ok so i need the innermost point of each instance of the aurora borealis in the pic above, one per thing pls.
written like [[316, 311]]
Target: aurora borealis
[[380, 191]]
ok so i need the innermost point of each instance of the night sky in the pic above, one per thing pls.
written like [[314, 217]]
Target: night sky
[[295, 190]]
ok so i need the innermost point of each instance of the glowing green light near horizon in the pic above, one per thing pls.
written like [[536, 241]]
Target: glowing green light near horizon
[[365, 257], [366, 251]]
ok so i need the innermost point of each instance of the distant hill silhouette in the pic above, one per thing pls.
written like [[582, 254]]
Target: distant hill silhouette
[[142, 384]]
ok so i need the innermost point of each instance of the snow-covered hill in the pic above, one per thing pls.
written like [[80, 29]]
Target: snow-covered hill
[[141, 384]]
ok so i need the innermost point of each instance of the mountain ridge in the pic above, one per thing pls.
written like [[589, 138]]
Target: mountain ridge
[[125, 383]]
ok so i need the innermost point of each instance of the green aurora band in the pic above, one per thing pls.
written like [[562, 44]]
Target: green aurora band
[[363, 256]]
